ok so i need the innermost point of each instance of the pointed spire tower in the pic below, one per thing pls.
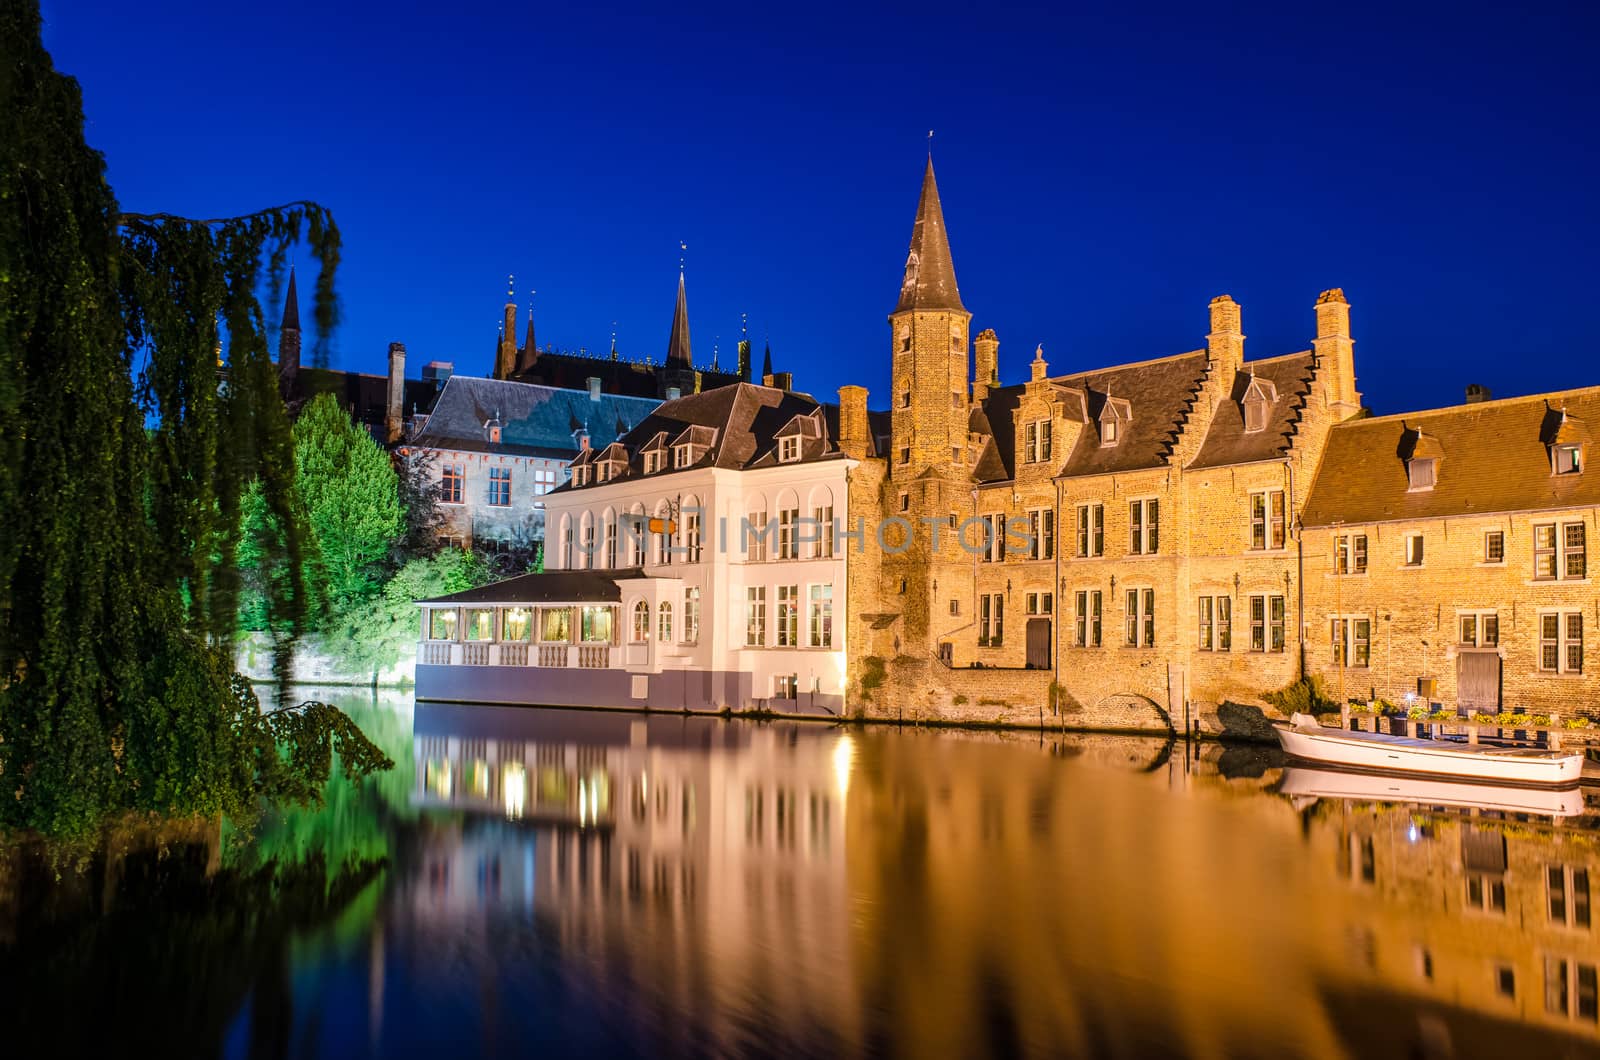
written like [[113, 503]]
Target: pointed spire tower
[[931, 368], [678, 354], [744, 347], [529, 354], [289, 332], [678, 374]]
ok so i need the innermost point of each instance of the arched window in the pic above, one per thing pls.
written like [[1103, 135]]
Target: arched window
[[664, 538], [636, 535], [788, 525], [820, 531], [641, 622], [564, 558], [753, 534], [586, 547], [664, 624]]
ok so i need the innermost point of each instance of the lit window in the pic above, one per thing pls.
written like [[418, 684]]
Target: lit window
[[788, 616], [664, 623], [691, 615], [1480, 629], [641, 622], [819, 622], [755, 616], [1352, 642], [1350, 554], [1569, 459]]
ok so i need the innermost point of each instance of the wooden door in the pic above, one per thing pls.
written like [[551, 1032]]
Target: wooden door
[[1038, 644], [1478, 681]]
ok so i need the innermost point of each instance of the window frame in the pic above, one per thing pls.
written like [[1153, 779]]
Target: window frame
[[499, 487], [1144, 526]]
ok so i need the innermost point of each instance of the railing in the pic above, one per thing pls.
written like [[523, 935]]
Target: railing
[[552, 655], [594, 656], [436, 654], [513, 655], [475, 654]]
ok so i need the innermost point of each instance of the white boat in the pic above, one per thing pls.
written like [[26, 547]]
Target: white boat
[[1304, 782], [1305, 738]]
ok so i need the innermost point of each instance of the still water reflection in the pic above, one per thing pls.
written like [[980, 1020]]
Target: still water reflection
[[574, 882]]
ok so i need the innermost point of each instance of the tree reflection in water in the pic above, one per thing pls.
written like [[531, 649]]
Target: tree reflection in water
[[606, 883]]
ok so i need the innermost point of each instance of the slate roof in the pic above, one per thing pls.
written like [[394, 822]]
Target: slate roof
[[364, 396], [1493, 457], [1159, 394], [930, 281], [747, 419], [535, 420], [572, 371], [551, 587], [1227, 442]]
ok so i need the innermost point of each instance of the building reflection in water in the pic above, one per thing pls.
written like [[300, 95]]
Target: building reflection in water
[[719, 886]]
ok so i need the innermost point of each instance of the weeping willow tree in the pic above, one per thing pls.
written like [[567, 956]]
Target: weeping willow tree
[[125, 448]]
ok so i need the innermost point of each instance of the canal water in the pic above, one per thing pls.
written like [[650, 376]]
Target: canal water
[[576, 883]]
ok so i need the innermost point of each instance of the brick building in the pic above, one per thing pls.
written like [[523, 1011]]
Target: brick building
[[1451, 546], [1126, 532]]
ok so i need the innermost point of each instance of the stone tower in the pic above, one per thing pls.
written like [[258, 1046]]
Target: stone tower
[[928, 332], [930, 477]]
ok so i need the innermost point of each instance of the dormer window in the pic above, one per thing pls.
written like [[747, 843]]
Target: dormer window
[[1108, 431], [788, 450], [1255, 415], [580, 476], [494, 434], [652, 462], [1569, 459], [682, 456], [1422, 471]]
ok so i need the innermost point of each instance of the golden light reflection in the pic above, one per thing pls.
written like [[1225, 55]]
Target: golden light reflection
[[844, 753], [438, 777], [514, 783]]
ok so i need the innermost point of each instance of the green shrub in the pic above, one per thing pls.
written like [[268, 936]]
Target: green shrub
[[1304, 696]]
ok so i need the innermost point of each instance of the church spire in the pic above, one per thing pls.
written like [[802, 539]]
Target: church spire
[[529, 354], [678, 355], [289, 331], [766, 361], [930, 281]]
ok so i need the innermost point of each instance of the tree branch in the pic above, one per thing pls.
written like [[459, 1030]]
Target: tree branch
[[127, 218]]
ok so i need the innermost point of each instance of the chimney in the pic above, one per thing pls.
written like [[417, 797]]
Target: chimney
[[673, 393], [594, 388], [986, 372], [855, 435], [1335, 352], [1477, 393], [1225, 343], [393, 418], [781, 380], [505, 360]]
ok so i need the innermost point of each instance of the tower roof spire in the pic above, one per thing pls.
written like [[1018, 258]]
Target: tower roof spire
[[291, 305], [678, 343], [930, 281]]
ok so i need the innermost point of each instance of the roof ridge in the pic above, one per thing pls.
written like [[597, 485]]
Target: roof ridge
[[1492, 402], [1279, 357], [1129, 364]]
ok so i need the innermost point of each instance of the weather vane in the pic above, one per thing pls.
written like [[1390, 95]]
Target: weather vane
[[511, 287], [683, 249]]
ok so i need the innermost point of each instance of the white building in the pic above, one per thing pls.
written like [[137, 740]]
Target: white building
[[711, 572]]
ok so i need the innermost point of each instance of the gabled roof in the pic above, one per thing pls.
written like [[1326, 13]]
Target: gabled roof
[[930, 281], [1285, 382], [536, 420], [1497, 460], [364, 396], [744, 421]]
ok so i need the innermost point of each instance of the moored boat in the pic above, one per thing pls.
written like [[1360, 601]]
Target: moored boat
[[1304, 738]]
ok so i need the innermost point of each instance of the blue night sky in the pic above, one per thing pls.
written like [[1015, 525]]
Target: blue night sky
[[1103, 175]]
